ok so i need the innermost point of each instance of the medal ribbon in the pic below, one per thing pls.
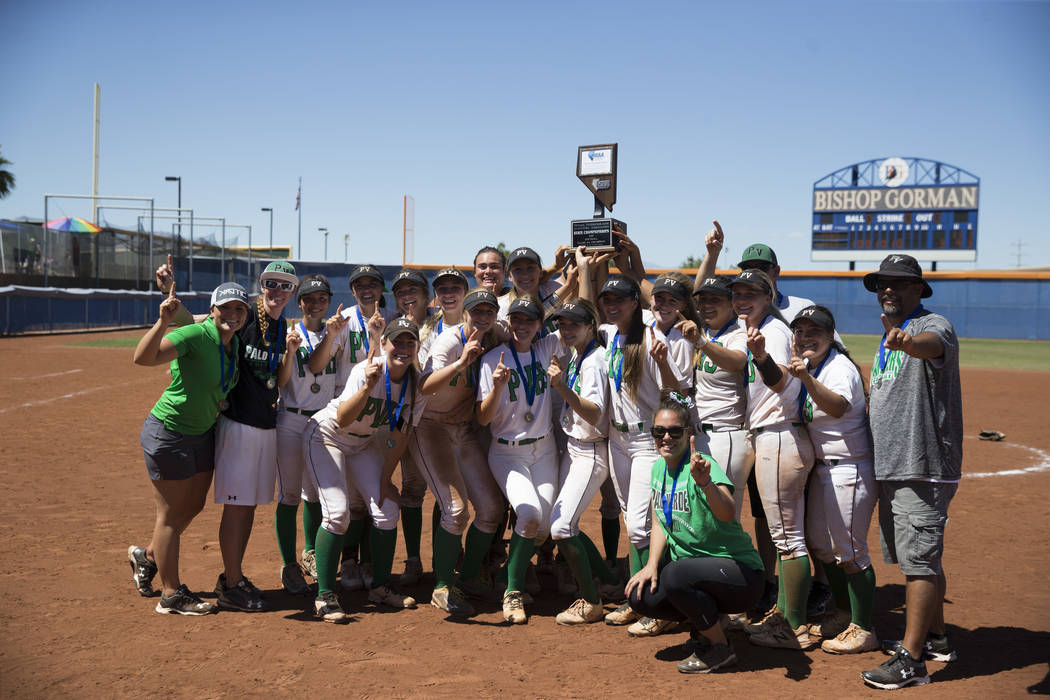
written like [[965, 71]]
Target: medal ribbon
[[530, 391], [575, 366], [309, 345], [883, 355], [665, 502], [804, 394], [225, 379], [364, 328], [391, 417], [764, 321], [617, 351], [275, 353], [718, 335]]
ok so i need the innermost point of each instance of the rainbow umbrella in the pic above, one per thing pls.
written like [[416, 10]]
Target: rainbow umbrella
[[74, 224]]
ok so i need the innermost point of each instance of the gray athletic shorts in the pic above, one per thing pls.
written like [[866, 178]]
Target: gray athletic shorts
[[912, 516], [173, 456]]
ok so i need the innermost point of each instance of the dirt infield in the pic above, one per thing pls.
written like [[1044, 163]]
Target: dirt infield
[[74, 626]]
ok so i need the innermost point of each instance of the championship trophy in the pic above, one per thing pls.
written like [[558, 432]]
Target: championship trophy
[[596, 168]]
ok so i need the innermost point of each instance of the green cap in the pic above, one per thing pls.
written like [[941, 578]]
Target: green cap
[[280, 270], [758, 252]]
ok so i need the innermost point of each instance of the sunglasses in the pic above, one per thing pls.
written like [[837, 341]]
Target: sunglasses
[[675, 432], [278, 284]]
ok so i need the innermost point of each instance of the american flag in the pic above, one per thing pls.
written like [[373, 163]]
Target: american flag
[[299, 194]]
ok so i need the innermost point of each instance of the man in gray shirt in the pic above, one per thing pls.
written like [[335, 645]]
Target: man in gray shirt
[[916, 424]]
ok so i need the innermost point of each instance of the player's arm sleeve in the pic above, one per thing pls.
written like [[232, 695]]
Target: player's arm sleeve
[[778, 344], [943, 329], [684, 379], [594, 384], [485, 379], [187, 339], [718, 475]]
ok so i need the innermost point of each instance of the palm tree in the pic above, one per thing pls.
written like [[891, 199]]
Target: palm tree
[[7, 179]]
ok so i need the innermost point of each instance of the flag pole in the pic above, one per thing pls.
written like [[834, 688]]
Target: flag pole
[[299, 208]]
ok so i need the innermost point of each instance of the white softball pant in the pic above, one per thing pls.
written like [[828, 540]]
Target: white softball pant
[[841, 502], [583, 470], [413, 486], [335, 472], [783, 460], [292, 483], [528, 477], [453, 465], [631, 458], [733, 451]]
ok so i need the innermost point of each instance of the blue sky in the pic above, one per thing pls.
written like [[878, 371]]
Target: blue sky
[[721, 110]]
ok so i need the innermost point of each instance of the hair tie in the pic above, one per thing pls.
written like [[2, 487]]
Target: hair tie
[[683, 400]]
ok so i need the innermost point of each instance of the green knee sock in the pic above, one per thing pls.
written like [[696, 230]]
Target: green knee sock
[[474, 551], [354, 535], [781, 600], [446, 551], [639, 558], [837, 581], [328, 547], [311, 523], [521, 550], [794, 582], [285, 526], [580, 565], [861, 587], [611, 537], [384, 542], [598, 566], [366, 540], [435, 523], [412, 524]]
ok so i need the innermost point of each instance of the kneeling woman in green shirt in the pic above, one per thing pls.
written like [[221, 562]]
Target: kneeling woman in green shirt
[[714, 568], [178, 437]]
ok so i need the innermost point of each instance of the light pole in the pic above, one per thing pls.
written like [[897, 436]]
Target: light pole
[[323, 228], [346, 246], [178, 244], [270, 209]]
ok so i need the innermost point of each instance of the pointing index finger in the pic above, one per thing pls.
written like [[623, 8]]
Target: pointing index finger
[[718, 227], [886, 323]]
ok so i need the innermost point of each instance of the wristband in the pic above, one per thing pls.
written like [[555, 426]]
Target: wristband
[[770, 371]]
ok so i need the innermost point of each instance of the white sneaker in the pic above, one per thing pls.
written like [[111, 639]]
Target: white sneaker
[[580, 613], [350, 576]]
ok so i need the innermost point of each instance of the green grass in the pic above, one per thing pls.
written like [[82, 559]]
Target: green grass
[[983, 353], [108, 343]]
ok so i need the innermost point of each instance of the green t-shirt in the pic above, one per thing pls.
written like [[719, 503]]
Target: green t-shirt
[[695, 531], [190, 403]]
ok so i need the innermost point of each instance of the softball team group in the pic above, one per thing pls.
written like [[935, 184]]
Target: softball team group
[[538, 389]]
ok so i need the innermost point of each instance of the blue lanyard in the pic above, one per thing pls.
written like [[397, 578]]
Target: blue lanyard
[[441, 326], [616, 350], [306, 337], [391, 417], [273, 355], [883, 355], [804, 394], [575, 367], [665, 502], [364, 328], [530, 391], [225, 378], [717, 336], [768, 316]]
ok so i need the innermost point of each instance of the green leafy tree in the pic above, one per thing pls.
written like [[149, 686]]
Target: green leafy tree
[[7, 178], [691, 263]]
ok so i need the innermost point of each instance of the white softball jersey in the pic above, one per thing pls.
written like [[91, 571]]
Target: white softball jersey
[[591, 383], [453, 403], [510, 421], [375, 414], [765, 406], [297, 393], [847, 437], [679, 349], [630, 409], [721, 395], [353, 342]]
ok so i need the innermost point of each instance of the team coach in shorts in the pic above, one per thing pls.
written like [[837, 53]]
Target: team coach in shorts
[[916, 424]]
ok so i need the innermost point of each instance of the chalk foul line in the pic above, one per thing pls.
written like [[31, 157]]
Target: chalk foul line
[[1041, 465], [53, 374]]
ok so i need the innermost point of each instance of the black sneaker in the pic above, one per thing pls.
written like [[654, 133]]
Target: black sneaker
[[243, 597], [142, 571], [766, 602], [712, 658], [182, 602], [328, 609], [899, 672], [934, 648], [819, 600]]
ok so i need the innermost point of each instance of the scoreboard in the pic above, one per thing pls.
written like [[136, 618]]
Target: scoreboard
[[921, 207]]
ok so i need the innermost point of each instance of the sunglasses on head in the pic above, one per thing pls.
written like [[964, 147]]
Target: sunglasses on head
[[675, 432], [278, 284]]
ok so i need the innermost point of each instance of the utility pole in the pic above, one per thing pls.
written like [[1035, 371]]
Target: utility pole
[[1019, 245]]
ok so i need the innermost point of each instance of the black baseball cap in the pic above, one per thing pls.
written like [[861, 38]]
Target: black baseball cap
[[527, 307], [575, 312], [366, 271], [719, 286], [480, 296], [412, 277], [897, 265], [227, 292], [452, 273], [523, 254], [621, 286], [755, 279], [313, 284], [670, 285], [818, 315], [400, 326], [758, 253]]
